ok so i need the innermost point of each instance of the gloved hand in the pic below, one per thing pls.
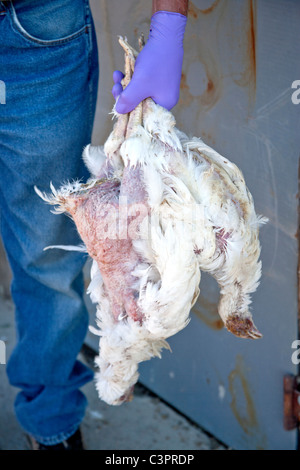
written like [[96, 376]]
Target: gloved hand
[[158, 66]]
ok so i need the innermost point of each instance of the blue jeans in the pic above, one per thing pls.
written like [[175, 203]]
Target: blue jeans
[[48, 62]]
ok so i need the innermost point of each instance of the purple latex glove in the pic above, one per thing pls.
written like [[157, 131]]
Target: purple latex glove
[[157, 72]]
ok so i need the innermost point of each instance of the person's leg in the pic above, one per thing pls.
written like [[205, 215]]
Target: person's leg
[[48, 61]]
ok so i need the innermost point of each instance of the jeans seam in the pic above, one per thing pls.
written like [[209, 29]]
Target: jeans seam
[[17, 27], [89, 21]]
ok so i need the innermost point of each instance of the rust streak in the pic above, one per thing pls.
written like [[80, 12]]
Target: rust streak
[[208, 138], [247, 420], [252, 38], [194, 12], [208, 312], [211, 8], [247, 47], [186, 97], [243, 406], [210, 85], [183, 84]]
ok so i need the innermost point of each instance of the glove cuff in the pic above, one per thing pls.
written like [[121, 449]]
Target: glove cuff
[[168, 26]]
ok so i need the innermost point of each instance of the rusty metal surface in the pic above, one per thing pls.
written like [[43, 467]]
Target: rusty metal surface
[[291, 402], [240, 60]]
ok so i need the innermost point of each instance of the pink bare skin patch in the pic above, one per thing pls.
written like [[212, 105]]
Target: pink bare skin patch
[[96, 215]]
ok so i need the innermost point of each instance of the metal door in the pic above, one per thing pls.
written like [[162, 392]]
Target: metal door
[[241, 59]]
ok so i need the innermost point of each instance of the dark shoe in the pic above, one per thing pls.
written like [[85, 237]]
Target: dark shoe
[[74, 442]]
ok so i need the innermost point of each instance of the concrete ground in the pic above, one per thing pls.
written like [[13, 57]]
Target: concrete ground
[[146, 423]]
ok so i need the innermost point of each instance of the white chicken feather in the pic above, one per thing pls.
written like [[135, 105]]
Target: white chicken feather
[[198, 215]]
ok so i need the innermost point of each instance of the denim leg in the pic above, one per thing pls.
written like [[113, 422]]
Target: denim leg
[[51, 77]]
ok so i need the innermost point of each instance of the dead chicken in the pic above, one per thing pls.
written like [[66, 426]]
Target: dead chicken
[[158, 209]]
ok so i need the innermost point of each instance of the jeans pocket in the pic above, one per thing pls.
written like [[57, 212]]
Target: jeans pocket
[[50, 23]]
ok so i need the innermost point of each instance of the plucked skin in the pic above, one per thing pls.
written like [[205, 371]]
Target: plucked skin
[[188, 209]]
